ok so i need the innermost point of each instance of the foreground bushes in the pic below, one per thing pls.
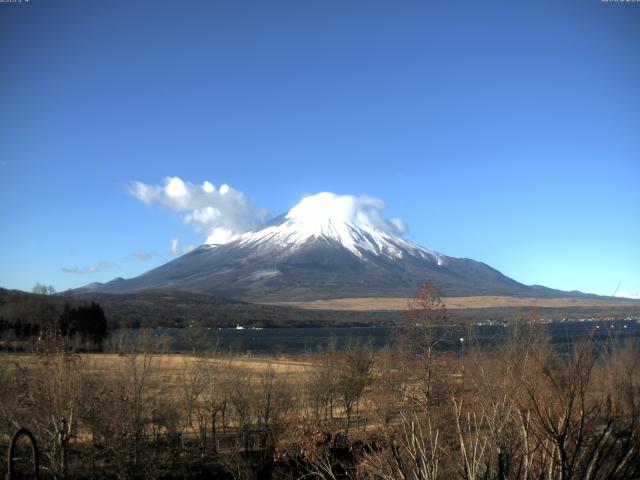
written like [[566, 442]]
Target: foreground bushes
[[517, 411]]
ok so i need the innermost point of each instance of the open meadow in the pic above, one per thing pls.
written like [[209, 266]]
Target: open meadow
[[457, 303]]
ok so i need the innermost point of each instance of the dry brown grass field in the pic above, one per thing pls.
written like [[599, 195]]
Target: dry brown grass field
[[454, 303], [173, 364]]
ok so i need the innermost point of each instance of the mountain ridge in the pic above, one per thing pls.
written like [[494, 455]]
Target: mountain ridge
[[323, 248]]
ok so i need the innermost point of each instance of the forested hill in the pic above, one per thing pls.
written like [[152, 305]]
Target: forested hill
[[179, 309]]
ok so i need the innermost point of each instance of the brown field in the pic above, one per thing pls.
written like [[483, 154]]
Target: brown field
[[167, 366], [167, 416], [455, 303]]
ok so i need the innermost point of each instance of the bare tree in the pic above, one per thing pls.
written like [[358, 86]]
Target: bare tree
[[424, 328], [214, 395], [273, 400], [240, 395], [196, 338], [42, 289], [192, 382], [55, 399], [320, 384], [125, 407], [354, 374]]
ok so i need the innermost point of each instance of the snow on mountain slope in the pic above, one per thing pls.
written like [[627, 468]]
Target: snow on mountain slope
[[338, 219]]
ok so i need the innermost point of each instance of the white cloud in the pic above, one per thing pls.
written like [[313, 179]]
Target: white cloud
[[174, 247], [358, 210], [98, 267], [635, 294], [399, 224], [221, 214], [208, 187]]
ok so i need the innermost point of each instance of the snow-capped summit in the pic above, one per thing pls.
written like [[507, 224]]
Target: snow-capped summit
[[340, 219]]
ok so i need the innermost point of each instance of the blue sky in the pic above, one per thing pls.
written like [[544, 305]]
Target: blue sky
[[507, 132]]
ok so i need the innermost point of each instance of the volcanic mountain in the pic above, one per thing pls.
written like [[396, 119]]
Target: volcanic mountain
[[324, 247]]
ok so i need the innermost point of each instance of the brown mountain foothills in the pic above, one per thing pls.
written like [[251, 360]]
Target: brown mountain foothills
[[163, 308]]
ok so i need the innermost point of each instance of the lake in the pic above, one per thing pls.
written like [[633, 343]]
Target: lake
[[306, 340]]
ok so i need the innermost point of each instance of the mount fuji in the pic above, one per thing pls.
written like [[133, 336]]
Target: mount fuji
[[327, 246]]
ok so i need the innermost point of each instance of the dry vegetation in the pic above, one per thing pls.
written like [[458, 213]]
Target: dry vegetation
[[519, 411], [456, 303]]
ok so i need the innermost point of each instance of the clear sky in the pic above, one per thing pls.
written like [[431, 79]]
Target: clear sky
[[507, 132]]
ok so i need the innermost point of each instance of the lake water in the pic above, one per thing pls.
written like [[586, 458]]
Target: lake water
[[306, 340]]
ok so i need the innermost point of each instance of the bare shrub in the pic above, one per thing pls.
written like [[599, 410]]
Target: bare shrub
[[53, 399], [125, 410], [408, 451], [573, 414]]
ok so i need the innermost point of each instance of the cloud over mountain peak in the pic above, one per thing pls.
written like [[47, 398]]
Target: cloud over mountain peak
[[362, 210], [223, 213]]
